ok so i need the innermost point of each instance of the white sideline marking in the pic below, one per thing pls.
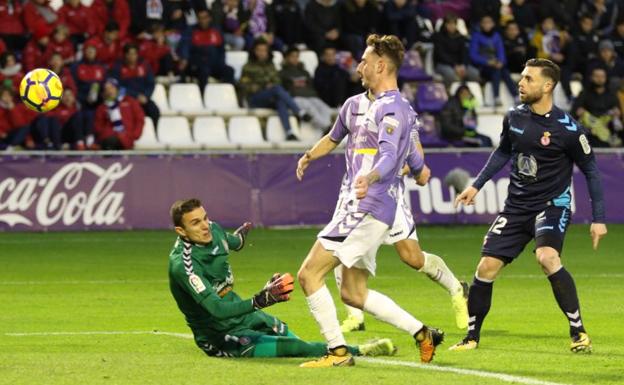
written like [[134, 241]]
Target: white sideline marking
[[466, 372], [148, 332]]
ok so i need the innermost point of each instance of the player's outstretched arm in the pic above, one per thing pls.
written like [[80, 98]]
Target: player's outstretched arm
[[241, 234], [323, 147], [467, 196]]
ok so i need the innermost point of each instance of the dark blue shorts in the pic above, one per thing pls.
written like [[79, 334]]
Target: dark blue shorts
[[510, 232]]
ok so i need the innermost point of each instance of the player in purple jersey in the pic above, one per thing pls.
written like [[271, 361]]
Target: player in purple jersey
[[374, 160], [403, 232], [543, 143]]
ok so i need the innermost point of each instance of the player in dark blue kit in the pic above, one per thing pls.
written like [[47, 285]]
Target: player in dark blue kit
[[543, 143]]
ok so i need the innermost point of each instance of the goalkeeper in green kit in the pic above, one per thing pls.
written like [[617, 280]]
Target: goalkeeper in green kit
[[223, 324]]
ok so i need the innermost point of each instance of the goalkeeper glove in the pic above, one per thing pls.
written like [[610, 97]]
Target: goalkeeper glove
[[277, 289], [242, 232]]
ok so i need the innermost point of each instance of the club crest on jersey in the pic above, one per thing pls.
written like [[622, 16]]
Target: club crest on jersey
[[391, 124], [196, 283], [545, 139]]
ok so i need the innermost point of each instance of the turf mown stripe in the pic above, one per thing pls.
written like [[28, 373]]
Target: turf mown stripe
[[466, 372]]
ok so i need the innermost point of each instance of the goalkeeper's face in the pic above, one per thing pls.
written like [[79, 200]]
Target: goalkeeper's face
[[195, 226]]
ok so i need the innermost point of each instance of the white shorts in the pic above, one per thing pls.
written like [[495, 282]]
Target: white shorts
[[403, 226], [354, 238]]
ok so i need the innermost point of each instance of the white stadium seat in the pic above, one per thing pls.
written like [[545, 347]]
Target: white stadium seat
[[148, 140], [505, 96], [210, 132], [221, 99], [174, 131], [246, 131], [276, 134], [236, 60], [491, 125], [186, 98], [159, 96], [309, 60], [278, 58]]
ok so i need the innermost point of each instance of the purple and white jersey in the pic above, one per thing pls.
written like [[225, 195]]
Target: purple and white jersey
[[389, 118]]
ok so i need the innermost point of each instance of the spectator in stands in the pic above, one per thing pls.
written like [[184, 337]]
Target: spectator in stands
[[232, 26], [15, 121], [38, 14], [609, 61], [524, 16], [563, 12], [517, 48], [207, 55], [70, 121], [89, 74], [488, 54], [57, 65], [61, 44], [289, 23], [400, 20], [155, 50], [34, 55], [585, 43], [480, 8], [617, 37], [260, 86], [109, 45], [322, 24], [597, 108], [359, 19], [450, 55], [330, 80], [11, 72], [137, 79], [298, 82], [604, 12], [79, 19], [145, 13], [260, 23], [12, 29], [458, 120], [118, 120], [107, 11], [554, 44]]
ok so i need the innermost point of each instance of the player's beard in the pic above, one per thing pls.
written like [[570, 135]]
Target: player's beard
[[531, 98]]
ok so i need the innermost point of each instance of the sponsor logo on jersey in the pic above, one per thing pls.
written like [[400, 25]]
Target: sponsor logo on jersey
[[516, 130], [78, 193], [585, 144], [527, 165], [545, 139], [196, 283]]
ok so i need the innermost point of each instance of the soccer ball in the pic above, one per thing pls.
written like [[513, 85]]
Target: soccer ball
[[41, 90]]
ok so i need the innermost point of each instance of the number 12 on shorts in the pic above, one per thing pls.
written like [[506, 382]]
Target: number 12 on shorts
[[498, 225]]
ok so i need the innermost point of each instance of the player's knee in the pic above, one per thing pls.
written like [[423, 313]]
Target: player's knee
[[488, 268], [351, 298], [303, 277], [548, 258]]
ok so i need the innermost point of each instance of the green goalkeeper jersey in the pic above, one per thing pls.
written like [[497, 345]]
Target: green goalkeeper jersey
[[201, 280]]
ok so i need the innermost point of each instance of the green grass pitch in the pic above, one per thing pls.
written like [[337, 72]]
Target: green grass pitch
[[55, 286]]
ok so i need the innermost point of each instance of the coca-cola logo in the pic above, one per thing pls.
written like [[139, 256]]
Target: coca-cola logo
[[67, 196]]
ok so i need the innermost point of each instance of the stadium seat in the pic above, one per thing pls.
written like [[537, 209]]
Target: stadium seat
[[430, 97], [309, 134], [278, 58], [236, 60], [221, 99], [186, 98], [490, 125], [174, 132], [159, 96], [505, 96], [148, 140], [246, 132], [474, 87], [275, 132], [210, 132], [309, 60]]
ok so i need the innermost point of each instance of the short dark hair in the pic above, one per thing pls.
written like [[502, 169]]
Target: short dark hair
[[549, 69], [290, 50], [181, 207], [389, 46]]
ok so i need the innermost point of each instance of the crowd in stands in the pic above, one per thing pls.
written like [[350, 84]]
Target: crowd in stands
[[110, 54]]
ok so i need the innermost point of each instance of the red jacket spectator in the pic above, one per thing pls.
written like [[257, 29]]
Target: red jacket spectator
[[132, 118], [109, 47], [55, 63], [11, 72], [61, 44], [16, 117], [152, 52], [63, 113], [38, 13], [11, 17], [111, 10], [35, 53], [78, 18], [2, 46]]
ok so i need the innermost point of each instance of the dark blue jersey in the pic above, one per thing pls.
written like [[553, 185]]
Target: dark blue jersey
[[543, 150]]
